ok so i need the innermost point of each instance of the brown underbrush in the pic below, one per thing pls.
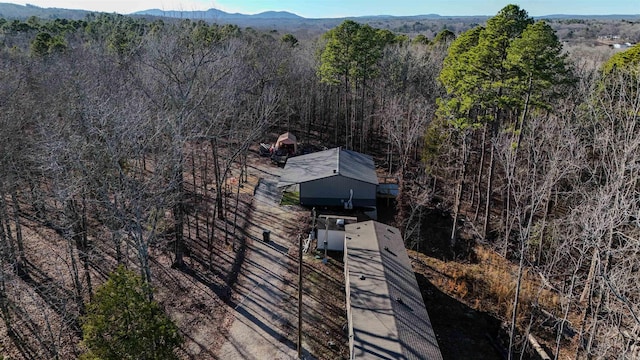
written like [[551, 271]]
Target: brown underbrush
[[488, 285]]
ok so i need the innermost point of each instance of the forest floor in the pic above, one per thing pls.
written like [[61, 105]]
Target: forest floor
[[462, 331], [469, 292], [236, 298]]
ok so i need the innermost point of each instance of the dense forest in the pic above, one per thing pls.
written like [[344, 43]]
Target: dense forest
[[529, 147]]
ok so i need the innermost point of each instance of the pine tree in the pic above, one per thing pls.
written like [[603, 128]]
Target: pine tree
[[121, 323]]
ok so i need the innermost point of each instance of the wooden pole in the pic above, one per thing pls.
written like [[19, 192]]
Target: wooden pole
[[299, 297], [313, 220], [326, 239]]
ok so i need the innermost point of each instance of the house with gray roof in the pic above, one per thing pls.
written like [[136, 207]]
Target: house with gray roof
[[386, 315], [332, 178]]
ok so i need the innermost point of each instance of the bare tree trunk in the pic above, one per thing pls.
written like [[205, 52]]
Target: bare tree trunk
[[37, 203], [543, 226], [8, 255], [85, 251], [337, 117], [459, 189], [235, 210], [347, 118], [516, 299], [487, 205], [480, 171], [524, 239], [602, 290], [6, 231], [511, 168], [217, 205], [16, 220], [586, 292], [142, 248], [4, 301], [205, 191], [216, 172], [226, 223], [72, 237], [178, 216], [196, 200], [362, 106], [567, 308]]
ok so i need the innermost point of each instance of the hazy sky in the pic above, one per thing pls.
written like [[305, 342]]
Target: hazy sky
[[342, 8]]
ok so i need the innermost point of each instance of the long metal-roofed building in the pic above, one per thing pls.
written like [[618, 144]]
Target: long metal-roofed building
[[332, 178], [386, 313]]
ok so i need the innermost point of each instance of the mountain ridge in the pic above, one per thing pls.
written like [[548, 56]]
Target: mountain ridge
[[16, 11], [213, 14]]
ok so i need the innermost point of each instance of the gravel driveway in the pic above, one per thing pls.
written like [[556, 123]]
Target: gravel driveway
[[256, 332]]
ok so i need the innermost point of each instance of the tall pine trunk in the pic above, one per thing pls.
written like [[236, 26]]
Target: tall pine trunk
[[459, 189], [512, 168], [489, 194], [480, 171]]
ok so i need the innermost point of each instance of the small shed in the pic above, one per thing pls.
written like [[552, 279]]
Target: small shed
[[331, 231], [288, 142], [334, 177]]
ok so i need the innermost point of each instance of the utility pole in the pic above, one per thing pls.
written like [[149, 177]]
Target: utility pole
[[299, 297], [326, 238]]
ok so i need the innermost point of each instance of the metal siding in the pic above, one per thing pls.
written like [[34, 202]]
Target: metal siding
[[335, 240], [328, 163], [330, 191], [387, 315], [373, 323], [355, 165]]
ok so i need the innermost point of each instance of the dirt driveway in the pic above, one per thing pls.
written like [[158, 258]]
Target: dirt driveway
[[259, 298]]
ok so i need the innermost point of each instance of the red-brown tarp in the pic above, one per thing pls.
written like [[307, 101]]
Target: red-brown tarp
[[287, 138]]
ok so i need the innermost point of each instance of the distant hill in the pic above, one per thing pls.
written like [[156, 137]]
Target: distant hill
[[21, 12], [590, 17], [287, 21], [215, 14]]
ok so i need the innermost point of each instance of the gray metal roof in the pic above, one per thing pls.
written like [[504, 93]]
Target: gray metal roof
[[327, 163], [387, 316]]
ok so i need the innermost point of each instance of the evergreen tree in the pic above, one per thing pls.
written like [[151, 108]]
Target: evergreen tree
[[625, 60], [445, 36], [537, 65], [494, 74], [289, 39], [121, 323], [44, 44], [350, 58]]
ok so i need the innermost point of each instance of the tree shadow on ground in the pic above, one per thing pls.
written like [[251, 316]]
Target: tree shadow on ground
[[222, 291], [52, 292], [436, 238], [462, 332]]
